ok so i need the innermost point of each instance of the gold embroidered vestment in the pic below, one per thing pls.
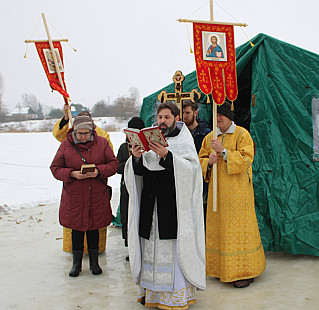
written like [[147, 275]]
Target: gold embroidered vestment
[[233, 246]]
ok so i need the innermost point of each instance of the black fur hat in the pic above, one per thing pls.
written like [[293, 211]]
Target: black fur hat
[[225, 109], [136, 122]]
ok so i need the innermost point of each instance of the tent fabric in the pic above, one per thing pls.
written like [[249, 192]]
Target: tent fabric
[[277, 83]]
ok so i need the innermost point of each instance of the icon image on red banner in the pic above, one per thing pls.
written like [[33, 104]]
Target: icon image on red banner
[[214, 46], [215, 58], [50, 62]]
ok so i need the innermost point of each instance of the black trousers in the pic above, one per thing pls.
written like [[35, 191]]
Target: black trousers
[[92, 237]]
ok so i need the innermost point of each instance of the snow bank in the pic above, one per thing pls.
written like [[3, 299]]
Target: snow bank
[[107, 123], [26, 180]]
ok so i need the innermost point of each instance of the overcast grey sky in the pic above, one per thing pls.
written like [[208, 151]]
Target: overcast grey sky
[[129, 43]]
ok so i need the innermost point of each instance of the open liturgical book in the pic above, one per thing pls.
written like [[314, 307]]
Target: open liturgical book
[[144, 136]]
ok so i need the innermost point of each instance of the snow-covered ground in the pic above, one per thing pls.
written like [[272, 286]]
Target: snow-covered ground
[[107, 123], [25, 178]]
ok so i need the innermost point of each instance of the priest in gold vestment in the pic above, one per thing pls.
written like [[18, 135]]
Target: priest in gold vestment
[[234, 252]]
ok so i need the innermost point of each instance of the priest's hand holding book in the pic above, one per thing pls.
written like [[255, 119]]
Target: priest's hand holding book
[[156, 147], [147, 139], [159, 149], [137, 150]]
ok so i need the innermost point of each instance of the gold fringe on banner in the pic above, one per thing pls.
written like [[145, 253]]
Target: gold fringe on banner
[[232, 106], [25, 54], [251, 43], [208, 100]]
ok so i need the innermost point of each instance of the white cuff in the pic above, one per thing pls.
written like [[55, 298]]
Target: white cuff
[[224, 153]]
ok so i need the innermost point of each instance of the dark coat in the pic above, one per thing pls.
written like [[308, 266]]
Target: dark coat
[[199, 134], [85, 204], [123, 155], [158, 185]]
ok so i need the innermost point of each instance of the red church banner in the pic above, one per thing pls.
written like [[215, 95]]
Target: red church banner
[[216, 60], [47, 61]]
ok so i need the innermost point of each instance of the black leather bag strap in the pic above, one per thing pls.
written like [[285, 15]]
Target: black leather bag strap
[[108, 187], [79, 153]]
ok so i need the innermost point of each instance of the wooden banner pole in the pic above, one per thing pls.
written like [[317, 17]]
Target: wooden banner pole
[[211, 10], [35, 41], [181, 20], [55, 62], [214, 152], [214, 132]]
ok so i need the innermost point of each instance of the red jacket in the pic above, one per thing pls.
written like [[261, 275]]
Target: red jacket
[[85, 204]]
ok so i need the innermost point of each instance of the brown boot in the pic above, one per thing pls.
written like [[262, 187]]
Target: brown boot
[[243, 283]]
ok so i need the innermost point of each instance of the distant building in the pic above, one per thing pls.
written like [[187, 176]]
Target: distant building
[[76, 108], [21, 114]]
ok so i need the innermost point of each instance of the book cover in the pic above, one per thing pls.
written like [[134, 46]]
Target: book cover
[[87, 168], [144, 136]]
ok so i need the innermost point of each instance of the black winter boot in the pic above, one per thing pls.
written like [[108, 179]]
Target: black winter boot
[[94, 261], [77, 263]]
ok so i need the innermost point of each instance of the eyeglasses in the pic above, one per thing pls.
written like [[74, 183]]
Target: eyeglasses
[[87, 133]]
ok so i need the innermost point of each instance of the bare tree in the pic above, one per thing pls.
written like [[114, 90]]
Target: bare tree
[[127, 106], [122, 106], [134, 94], [100, 109], [40, 111], [55, 113], [3, 110], [30, 100]]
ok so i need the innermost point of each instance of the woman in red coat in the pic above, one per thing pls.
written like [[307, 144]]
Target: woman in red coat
[[85, 205]]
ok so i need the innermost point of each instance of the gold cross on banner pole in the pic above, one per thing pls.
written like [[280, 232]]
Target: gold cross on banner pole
[[179, 96]]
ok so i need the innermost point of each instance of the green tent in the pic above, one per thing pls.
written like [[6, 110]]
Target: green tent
[[277, 83]]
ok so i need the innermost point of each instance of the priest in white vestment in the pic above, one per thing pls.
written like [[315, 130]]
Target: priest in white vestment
[[165, 228]]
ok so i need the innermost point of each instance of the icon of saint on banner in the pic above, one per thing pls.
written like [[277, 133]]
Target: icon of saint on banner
[[50, 61], [214, 46]]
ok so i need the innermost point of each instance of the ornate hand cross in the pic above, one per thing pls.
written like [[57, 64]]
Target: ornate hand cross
[[178, 96]]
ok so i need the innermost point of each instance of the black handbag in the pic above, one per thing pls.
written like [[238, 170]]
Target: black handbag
[[108, 187], [109, 190]]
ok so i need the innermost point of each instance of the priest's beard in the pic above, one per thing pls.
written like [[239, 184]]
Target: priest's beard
[[167, 130]]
